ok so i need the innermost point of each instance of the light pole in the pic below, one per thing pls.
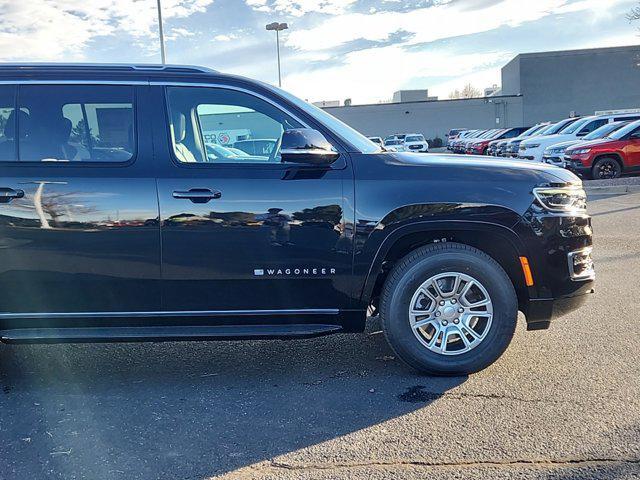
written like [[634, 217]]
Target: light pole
[[161, 32], [277, 27]]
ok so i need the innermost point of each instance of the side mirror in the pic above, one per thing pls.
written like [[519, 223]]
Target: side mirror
[[307, 146], [582, 134]]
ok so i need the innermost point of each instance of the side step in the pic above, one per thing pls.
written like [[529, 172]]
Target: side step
[[164, 333]]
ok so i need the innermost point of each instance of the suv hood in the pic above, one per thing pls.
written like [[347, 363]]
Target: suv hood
[[496, 165]]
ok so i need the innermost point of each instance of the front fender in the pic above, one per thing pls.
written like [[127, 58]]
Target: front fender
[[437, 222]]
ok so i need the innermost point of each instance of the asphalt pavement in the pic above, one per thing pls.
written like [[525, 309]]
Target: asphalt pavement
[[560, 404]]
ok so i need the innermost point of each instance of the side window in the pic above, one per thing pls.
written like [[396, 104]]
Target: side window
[[7, 124], [512, 134], [216, 125], [79, 123]]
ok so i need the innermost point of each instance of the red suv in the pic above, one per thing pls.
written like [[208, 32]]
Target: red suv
[[609, 157]]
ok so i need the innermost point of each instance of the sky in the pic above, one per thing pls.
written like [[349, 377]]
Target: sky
[[334, 49]]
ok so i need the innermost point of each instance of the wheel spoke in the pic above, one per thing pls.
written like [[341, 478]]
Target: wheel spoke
[[464, 338], [480, 303], [423, 323]]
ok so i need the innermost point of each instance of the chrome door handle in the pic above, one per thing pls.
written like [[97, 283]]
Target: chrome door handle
[[8, 194], [197, 195]]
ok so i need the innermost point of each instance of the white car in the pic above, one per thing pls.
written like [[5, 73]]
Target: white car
[[533, 149], [394, 145], [377, 140], [415, 142]]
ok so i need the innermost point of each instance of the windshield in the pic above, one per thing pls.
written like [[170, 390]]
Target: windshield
[[576, 126], [355, 138], [392, 142], [532, 130], [555, 128], [414, 138], [604, 130], [624, 131]]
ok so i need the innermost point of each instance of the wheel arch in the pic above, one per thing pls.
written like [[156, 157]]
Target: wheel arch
[[497, 241], [615, 155]]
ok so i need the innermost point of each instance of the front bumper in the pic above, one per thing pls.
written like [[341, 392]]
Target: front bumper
[[557, 160], [558, 247], [541, 311]]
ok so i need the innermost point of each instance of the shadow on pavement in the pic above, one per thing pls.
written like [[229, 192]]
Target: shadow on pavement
[[193, 410]]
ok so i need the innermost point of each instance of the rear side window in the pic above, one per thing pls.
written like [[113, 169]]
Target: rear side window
[[7, 124], [75, 123]]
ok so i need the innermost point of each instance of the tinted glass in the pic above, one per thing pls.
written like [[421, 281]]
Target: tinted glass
[[626, 130], [605, 130], [7, 123], [574, 127], [202, 120], [414, 138], [594, 125], [79, 123]]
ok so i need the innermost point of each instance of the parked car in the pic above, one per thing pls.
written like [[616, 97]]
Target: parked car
[[554, 155], [513, 146], [533, 149], [458, 144], [260, 146], [609, 157], [415, 142], [394, 145], [453, 135], [377, 141], [142, 238], [477, 145], [491, 147]]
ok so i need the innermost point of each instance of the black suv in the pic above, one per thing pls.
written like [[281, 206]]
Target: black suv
[[177, 203]]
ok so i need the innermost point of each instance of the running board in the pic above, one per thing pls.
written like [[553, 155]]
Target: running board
[[163, 333]]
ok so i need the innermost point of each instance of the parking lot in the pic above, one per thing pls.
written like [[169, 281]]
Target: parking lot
[[561, 404]]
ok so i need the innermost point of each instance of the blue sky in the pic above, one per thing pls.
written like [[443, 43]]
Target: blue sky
[[335, 49]]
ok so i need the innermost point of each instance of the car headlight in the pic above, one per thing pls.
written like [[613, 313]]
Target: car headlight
[[554, 151], [580, 151], [531, 145], [563, 199]]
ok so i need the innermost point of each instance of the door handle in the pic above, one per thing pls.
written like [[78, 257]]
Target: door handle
[[197, 195], [8, 194]]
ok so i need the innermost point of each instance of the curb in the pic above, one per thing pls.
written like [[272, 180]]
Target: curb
[[612, 190]]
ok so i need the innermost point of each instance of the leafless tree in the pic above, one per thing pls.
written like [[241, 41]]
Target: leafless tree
[[469, 91]]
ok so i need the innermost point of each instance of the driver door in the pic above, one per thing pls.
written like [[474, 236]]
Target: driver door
[[241, 231]]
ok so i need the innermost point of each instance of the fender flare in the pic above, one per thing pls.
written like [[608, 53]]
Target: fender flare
[[431, 226]]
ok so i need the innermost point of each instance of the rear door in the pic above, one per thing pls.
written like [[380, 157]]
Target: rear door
[[79, 228], [241, 231]]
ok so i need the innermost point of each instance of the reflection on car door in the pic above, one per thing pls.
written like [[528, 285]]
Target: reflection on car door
[[79, 226], [247, 233]]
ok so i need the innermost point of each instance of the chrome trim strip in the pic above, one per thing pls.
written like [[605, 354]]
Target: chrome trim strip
[[186, 313], [229, 87]]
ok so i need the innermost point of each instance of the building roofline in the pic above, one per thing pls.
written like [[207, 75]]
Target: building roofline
[[583, 51], [487, 99]]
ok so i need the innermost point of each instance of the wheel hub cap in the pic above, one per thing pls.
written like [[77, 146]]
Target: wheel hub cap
[[451, 313]]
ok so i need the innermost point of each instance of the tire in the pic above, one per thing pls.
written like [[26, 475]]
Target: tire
[[405, 281], [606, 168]]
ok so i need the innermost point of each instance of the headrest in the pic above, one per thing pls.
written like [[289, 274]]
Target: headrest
[[10, 126], [62, 129], [179, 124]]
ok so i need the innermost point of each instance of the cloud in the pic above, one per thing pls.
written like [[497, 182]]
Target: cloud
[[225, 37], [298, 8], [62, 29], [436, 22]]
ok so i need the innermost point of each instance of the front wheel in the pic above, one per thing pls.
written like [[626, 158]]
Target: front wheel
[[448, 309], [606, 168]]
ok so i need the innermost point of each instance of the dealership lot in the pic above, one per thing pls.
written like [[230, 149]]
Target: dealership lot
[[559, 404]]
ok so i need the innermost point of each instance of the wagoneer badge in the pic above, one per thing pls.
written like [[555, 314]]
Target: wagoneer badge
[[298, 271]]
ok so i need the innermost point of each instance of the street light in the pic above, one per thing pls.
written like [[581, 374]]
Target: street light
[[161, 32], [278, 27]]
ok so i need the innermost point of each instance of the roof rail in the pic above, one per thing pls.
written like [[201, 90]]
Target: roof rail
[[107, 67]]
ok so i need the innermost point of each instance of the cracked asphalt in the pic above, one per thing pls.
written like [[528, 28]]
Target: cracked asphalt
[[560, 404]]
